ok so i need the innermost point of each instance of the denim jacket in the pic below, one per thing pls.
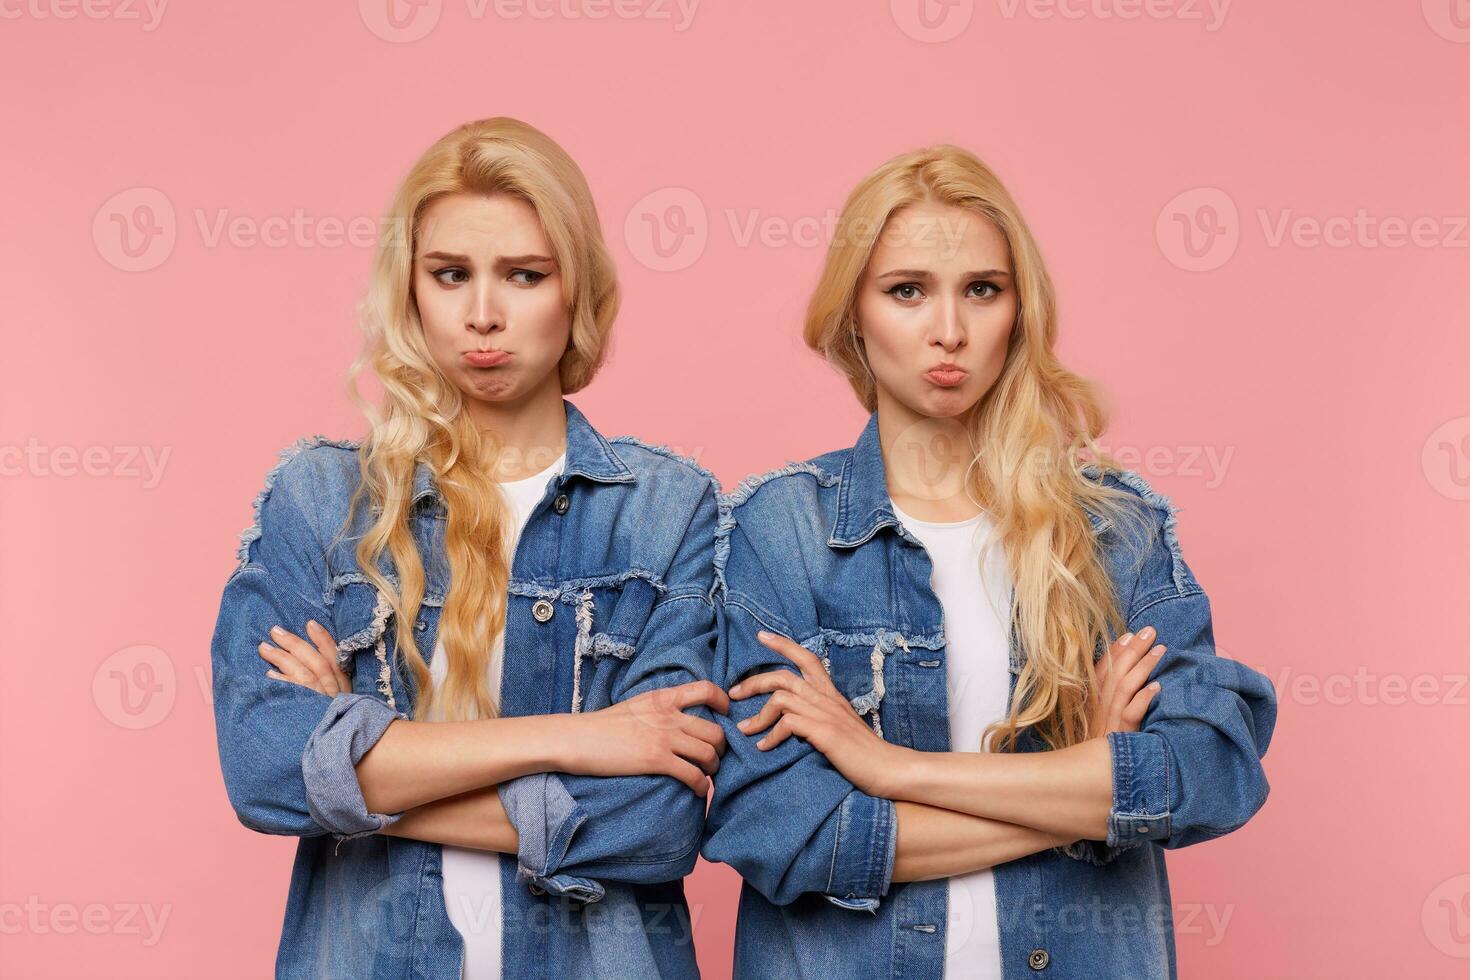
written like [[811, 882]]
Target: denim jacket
[[610, 595], [814, 551]]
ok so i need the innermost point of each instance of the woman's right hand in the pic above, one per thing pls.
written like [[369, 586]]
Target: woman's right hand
[[649, 735], [1121, 697]]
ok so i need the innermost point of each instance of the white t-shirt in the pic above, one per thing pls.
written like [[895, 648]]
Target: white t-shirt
[[977, 624], [472, 876]]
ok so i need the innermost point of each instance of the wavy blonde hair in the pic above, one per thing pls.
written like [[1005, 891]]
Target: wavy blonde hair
[[423, 417], [1034, 430]]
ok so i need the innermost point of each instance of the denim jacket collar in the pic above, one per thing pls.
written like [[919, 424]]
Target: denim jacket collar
[[589, 454], [863, 504]]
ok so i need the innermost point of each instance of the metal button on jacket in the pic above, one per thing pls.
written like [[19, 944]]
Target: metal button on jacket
[[561, 503], [1039, 959], [542, 610]]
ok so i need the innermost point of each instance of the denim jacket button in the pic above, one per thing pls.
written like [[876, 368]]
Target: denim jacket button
[[1039, 959], [542, 610], [561, 503]]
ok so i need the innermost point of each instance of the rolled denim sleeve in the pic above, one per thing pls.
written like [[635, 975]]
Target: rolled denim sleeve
[[288, 753], [786, 819], [577, 830], [1192, 772]]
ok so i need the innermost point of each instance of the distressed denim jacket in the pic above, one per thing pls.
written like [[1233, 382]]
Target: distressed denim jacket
[[813, 551], [610, 595]]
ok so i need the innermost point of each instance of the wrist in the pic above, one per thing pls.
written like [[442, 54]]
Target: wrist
[[893, 764], [538, 743]]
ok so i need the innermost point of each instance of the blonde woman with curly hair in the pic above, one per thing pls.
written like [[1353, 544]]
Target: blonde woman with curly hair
[[944, 760], [466, 659]]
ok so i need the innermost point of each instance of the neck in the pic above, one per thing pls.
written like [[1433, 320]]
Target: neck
[[925, 461], [532, 431]]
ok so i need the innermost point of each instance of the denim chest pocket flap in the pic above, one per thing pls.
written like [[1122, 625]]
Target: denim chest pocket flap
[[363, 624], [860, 662]]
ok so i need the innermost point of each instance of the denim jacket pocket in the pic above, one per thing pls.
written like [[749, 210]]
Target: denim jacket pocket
[[610, 613], [364, 627], [857, 662]]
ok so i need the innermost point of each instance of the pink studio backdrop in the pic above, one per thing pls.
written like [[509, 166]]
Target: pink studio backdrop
[[1255, 214]]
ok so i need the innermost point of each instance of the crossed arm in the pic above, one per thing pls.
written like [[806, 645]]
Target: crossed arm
[[444, 776], [958, 811]]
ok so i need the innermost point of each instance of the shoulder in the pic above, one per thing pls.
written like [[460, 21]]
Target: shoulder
[[1158, 515], [314, 473], [662, 464], [794, 485]]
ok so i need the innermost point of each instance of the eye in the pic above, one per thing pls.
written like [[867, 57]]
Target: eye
[[905, 292], [982, 284], [535, 277], [449, 271]]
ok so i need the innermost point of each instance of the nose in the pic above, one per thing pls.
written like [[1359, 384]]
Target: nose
[[484, 313], [948, 329]]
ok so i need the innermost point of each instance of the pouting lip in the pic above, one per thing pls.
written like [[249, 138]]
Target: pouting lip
[[947, 376]]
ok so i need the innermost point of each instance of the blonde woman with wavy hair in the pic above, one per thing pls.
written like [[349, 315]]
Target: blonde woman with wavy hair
[[943, 757], [465, 659]]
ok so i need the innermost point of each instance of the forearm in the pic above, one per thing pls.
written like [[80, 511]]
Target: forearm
[[475, 819], [416, 762], [937, 843], [1067, 792]]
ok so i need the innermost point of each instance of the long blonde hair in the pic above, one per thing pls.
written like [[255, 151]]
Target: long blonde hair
[[1034, 429], [423, 417]]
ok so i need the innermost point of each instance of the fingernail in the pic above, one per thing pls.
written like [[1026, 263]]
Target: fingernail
[[1159, 651], [1154, 686], [310, 623], [1125, 638], [763, 634], [743, 725], [734, 692], [1146, 634], [276, 631]]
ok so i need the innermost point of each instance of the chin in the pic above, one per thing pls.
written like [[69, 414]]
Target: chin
[[947, 403]]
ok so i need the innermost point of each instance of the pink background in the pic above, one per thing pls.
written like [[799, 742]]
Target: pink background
[[1302, 396]]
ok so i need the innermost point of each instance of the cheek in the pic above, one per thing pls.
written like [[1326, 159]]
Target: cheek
[[888, 335], [437, 313], [544, 316]]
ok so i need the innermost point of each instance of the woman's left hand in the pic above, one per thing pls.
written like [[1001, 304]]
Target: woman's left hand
[[310, 664], [811, 707]]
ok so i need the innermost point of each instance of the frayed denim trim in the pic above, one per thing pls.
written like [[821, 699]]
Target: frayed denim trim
[[748, 486], [727, 502], [668, 453], [578, 593], [375, 636], [568, 591], [883, 642], [1159, 502], [252, 533], [344, 579]]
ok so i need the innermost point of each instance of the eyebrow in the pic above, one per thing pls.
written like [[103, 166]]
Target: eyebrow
[[924, 274], [503, 260]]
